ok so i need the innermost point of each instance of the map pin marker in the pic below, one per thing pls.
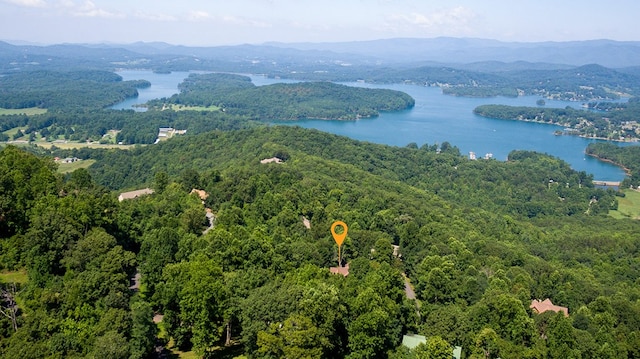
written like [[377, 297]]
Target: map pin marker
[[339, 237]]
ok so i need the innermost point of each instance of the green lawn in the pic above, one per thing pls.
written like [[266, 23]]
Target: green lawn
[[14, 130], [23, 111], [70, 167], [14, 277], [629, 206]]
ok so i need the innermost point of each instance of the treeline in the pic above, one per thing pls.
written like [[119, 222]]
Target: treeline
[[478, 91], [66, 90], [627, 157], [584, 83], [236, 94], [260, 276]]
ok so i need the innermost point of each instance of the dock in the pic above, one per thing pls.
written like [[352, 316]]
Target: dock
[[606, 183]]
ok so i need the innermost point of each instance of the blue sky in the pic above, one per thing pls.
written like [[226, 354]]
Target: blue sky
[[230, 22]]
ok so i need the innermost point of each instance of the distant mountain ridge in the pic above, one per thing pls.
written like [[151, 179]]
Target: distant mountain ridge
[[607, 53], [464, 53]]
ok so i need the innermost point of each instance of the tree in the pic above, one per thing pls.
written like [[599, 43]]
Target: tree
[[487, 342], [160, 181], [143, 330], [296, 338], [434, 348], [111, 345], [196, 293]]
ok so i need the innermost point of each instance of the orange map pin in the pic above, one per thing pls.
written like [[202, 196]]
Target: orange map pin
[[339, 237]]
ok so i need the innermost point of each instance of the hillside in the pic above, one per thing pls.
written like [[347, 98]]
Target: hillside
[[479, 240]]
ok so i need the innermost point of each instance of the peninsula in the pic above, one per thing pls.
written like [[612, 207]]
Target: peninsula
[[608, 121]]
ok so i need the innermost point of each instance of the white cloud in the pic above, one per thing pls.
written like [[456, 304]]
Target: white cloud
[[89, 9], [198, 15], [27, 3], [156, 17], [455, 18], [235, 20]]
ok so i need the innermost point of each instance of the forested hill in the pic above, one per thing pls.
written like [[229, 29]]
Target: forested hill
[[478, 239], [66, 89], [519, 186], [610, 121], [236, 94]]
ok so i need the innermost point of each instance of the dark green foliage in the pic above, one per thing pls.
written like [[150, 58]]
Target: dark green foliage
[[65, 90], [24, 179], [478, 239], [628, 157]]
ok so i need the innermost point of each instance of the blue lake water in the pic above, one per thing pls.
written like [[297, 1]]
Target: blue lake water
[[436, 118]]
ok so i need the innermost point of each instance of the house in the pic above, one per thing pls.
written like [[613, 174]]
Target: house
[[271, 160], [70, 160], [340, 270], [134, 194], [165, 133], [201, 193], [413, 340], [540, 307]]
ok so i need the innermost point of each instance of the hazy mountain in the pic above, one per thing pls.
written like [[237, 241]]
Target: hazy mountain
[[468, 50], [478, 55]]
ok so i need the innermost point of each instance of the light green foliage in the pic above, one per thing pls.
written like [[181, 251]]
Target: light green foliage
[[434, 348], [296, 338]]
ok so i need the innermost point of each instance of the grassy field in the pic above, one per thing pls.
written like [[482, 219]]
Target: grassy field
[[175, 107], [70, 167], [15, 130], [629, 206], [13, 277], [23, 111]]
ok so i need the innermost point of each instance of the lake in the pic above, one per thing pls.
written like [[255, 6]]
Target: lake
[[436, 118]]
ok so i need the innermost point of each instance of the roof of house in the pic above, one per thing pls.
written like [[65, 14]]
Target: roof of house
[[546, 305], [413, 340], [340, 270], [457, 352], [134, 194], [201, 193], [272, 159]]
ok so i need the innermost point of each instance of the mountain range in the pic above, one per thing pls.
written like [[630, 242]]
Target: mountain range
[[397, 51]]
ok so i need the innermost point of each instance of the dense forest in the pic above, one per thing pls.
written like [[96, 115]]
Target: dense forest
[[65, 89], [478, 239]]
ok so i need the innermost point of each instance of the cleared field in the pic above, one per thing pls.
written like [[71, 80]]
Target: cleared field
[[70, 167], [72, 145], [14, 277], [175, 107], [629, 206], [23, 111]]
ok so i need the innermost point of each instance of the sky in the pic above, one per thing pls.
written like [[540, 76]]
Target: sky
[[232, 22]]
